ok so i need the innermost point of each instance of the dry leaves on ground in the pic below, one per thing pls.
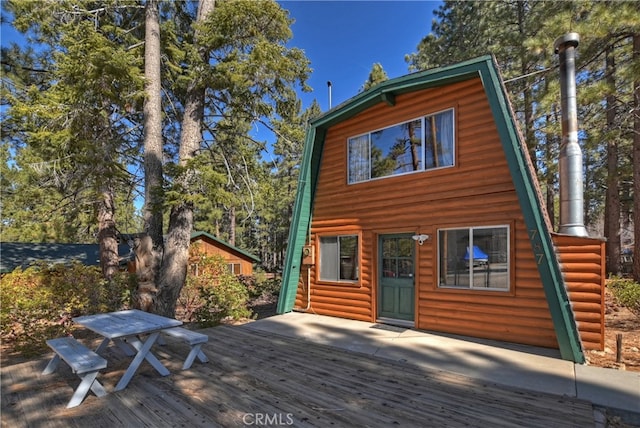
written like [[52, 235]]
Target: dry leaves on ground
[[618, 320]]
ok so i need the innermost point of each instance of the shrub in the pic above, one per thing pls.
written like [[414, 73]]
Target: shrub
[[260, 286], [38, 303], [214, 294], [627, 293]]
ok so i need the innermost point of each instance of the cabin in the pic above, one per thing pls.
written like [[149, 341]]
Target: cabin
[[239, 261], [418, 206]]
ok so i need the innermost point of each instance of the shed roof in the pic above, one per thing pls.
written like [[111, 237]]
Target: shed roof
[[15, 254], [517, 158], [247, 255]]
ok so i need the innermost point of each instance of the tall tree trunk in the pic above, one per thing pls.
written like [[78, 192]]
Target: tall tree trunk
[[149, 249], [612, 203], [107, 234], [636, 164], [173, 271], [551, 141], [153, 125], [232, 226]]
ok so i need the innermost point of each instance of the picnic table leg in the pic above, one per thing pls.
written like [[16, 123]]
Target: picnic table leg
[[143, 353], [103, 345], [119, 342], [195, 352], [88, 382], [137, 343], [51, 367], [124, 346]]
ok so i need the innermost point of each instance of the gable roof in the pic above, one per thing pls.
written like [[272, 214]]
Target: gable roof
[[247, 255], [15, 254], [517, 159]]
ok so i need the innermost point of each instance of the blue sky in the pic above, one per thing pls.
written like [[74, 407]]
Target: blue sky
[[343, 39]]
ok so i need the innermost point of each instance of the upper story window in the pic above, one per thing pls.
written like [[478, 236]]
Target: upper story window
[[416, 145]]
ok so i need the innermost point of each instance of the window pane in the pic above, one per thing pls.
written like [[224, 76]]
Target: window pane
[[494, 244], [452, 245], [329, 258], [339, 258], [389, 268], [349, 257], [396, 150], [389, 248], [359, 159], [474, 257], [439, 144]]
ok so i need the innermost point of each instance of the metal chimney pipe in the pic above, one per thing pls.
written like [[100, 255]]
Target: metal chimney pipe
[[570, 162], [329, 87]]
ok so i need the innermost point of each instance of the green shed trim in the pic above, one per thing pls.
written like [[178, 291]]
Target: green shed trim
[[524, 182]]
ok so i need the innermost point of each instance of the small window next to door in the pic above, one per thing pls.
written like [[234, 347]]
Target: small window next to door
[[474, 258], [339, 260]]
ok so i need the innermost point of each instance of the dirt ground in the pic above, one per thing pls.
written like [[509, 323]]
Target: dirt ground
[[618, 320]]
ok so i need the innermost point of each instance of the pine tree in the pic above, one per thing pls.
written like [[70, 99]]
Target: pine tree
[[376, 75]]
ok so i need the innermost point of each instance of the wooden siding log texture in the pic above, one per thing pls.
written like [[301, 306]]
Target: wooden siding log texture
[[212, 249], [477, 191], [581, 262]]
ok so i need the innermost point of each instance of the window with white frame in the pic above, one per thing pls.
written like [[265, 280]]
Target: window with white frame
[[474, 257], [339, 260], [417, 145], [234, 268]]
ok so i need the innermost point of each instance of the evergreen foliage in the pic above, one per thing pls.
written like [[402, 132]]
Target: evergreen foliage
[[72, 111], [521, 36]]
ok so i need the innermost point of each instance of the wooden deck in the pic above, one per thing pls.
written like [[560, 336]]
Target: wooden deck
[[261, 379]]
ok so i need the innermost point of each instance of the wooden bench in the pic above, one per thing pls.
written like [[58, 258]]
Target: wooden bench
[[83, 362], [194, 339]]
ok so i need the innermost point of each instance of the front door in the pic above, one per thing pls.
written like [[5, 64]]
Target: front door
[[396, 288]]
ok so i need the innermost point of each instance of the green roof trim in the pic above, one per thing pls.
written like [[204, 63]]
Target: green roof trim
[[386, 92], [539, 235], [250, 256]]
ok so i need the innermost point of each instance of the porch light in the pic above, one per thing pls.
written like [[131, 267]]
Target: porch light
[[420, 238]]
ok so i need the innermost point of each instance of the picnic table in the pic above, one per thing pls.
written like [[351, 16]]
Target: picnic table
[[126, 328]]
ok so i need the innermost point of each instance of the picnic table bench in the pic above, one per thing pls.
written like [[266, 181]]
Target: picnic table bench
[[194, 339], [83, 362]]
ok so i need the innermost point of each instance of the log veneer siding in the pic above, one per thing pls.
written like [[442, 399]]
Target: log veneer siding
[[581, 261], [477, 191]]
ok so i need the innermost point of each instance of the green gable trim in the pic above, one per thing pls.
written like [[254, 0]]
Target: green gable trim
[[249, 256], [484, 67], [299, 227], [539, 235]]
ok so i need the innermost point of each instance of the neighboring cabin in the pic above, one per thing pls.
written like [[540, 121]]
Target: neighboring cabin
[[14, 254], [418, 206], [239, 261]]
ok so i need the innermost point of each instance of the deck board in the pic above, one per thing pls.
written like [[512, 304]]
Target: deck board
[[253, 373]]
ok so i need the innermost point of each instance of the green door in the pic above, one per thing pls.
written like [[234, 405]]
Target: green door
[[396, 288]]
